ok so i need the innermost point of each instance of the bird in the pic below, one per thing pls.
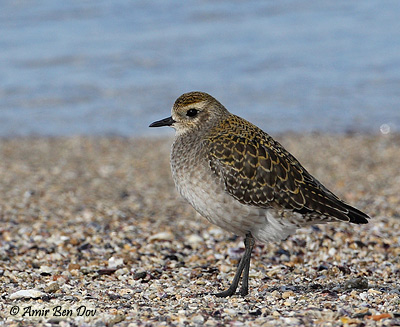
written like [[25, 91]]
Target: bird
[[242, 180]]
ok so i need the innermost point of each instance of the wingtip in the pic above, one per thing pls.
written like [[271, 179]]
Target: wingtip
[[357, 216]]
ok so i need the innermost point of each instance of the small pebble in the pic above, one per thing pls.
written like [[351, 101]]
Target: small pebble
[[123, 271], [114, 263], [276, 294], [73, 266], [357, 283], [27, 294], [46, 269], [287, 294], [194, 239], [162, 236], [198, 319], [230, 312], [52, 287]]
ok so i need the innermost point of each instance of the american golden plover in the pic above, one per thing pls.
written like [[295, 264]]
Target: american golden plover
[[242, 180]]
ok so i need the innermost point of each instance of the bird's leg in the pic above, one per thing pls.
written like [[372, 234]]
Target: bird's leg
[[244, 265], [249, 244]]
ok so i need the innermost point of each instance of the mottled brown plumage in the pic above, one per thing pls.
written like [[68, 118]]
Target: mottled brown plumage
[[241, 179], [258, 171]]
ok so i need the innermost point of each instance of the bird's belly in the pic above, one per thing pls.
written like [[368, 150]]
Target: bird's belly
[[206, 193]]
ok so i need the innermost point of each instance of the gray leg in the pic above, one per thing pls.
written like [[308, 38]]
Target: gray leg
[[249, 244], [244, 265]]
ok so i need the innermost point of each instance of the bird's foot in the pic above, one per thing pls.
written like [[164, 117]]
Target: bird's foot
[[229, 292], [244, 291]]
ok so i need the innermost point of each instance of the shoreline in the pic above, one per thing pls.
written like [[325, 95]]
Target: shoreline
[[158, 134], [96, 221]]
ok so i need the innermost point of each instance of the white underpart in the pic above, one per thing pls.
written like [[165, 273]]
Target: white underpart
[[273, 229], [208, 196]]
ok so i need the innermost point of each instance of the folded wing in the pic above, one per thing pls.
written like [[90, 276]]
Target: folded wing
[[258, 171]]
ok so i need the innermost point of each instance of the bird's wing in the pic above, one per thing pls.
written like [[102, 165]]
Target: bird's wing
[[257, 170]]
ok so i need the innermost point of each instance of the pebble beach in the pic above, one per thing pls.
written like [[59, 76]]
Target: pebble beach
[[93, 230]]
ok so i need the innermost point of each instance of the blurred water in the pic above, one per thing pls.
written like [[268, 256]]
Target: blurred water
[[112, 67]]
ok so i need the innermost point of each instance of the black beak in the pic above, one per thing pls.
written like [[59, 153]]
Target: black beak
[[163, 122]]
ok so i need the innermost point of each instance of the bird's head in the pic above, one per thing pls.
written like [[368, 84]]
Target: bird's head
[[193, 111]]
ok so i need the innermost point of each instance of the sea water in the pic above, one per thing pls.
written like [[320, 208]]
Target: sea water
[[112, 67]]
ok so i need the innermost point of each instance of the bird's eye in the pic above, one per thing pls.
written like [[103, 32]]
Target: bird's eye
[[192, 112]]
